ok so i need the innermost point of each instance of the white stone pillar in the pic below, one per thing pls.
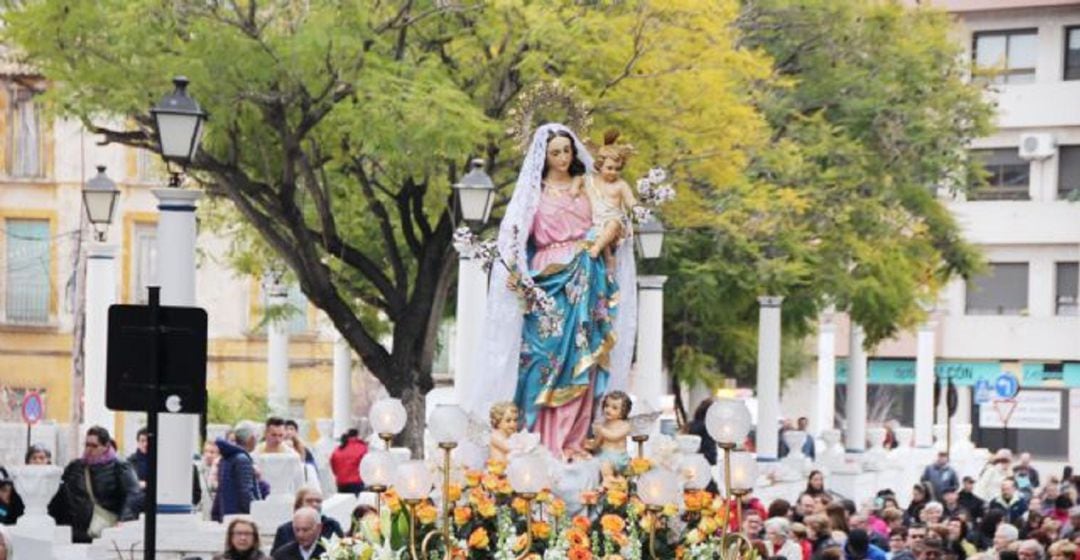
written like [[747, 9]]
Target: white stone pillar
[[963, 405], [100, 294], [176, 270], [768, 377], [277, 352], [924, 385], [825, 414], [342, 388], [472, 288], [647, 381], [855, 411]]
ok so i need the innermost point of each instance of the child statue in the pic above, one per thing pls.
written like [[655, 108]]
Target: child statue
[[610, 197], [504, 423], [611, 434]]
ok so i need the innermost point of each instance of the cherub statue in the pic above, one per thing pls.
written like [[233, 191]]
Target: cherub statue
[[504, 424], [611, 434], [611, 197]]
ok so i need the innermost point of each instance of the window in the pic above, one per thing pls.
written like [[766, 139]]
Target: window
[[27, 278], [25, 138], [1003, 290], [1006, 57], [296, 304], [143, 261], [1008, 175], [1072, 53], [1068, 172], [1067, 288]]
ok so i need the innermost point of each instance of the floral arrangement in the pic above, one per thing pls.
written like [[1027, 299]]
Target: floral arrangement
[[653, 192], [489, 521]]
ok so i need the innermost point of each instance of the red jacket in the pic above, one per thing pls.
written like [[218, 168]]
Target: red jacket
[[345, 461]]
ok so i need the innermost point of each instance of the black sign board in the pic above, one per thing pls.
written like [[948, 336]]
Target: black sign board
[[177, 344]]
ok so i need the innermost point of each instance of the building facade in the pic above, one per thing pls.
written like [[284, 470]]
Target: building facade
[[1021, 315]]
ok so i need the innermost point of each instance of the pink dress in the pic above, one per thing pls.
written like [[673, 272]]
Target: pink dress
[[561, 225]]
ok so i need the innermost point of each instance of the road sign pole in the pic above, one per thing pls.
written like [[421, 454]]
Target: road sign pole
[[150, 503]]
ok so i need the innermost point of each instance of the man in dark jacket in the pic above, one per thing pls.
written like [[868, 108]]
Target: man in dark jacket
[[140, 463], [969, 501], [237, 486], [309, 497], [941, 476], [306, 546], [112, 485], [1009, 501]]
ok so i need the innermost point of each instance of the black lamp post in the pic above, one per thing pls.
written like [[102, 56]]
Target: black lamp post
[[99, 198], [650, 238], [178, 122], [474, 194]]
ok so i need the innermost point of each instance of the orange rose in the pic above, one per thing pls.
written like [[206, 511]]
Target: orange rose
[[579, 553], [455, 492], [426, 514], [612, 524], [589, 498], [693, 501], [577, 538], [544, 496], [541, 530], [479, 539], [497, 468], [581, 522], [640, 465], [462, 515], [616, 498], [486, 509], [490, 482], [708, 525], [520, 542], [621, 540], [472, 478], [504, 487], [558, 507], [520, 505]]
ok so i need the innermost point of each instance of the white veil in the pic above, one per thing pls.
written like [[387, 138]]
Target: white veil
[[496, 361]]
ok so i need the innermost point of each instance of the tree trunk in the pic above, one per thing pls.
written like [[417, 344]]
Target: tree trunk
[[414, 398]]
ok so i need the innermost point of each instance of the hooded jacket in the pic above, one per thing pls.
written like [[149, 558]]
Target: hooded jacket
[[237, 486]]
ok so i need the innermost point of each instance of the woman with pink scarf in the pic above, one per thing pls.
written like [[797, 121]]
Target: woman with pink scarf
[[98, 489]]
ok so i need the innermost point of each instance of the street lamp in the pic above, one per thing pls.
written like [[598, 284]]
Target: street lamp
[[474, 194], [99, 198], [178, 121], [650, 238]]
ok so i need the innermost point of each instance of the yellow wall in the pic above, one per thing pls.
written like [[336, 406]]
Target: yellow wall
[[33, 359]]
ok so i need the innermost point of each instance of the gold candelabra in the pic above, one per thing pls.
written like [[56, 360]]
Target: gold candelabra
[[640, 440], [444, 531], [733, 545], [528, 497], [387, 438], [655, 512]]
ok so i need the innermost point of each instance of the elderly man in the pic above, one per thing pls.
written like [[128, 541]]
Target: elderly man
[[1030, 550], [931, 513], [778, 539], [1004, 536], [1072, 528], [307, 529], [309, 497]]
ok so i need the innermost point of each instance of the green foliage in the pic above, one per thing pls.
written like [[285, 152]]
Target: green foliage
[[233, 405]]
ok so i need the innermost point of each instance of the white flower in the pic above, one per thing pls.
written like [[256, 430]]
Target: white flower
[[657, 175], [644, 187]]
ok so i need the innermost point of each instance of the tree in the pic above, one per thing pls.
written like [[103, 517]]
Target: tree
[[869, 115], [338, 126]]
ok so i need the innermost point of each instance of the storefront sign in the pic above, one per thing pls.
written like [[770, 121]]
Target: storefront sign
[[966, 374], [1035, 410]]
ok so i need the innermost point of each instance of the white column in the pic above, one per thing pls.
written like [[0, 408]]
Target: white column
[[768, 377], [647, 381], [176, 270], [277, 352], [963, 405], [825, 417], [855, 411], [924, 385], [472, 290], [342, 386], [100, 294]]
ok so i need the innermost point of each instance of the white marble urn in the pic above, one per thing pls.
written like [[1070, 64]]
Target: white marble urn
[[37, 484], [875, 456], [904, 438], [794, 440]]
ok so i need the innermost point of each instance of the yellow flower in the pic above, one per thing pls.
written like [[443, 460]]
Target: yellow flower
[[479, 539], [520, 505], [462, 515], [544, 496], [520, 542], [612, 524], [392, 501], [426, 513], [558, 507], [616, 498], [670, 510], [589, 498], [581, 522], [490, 482], [621, 540], [497, 468], [693, 501], [455, 492], [708, 525], [486, 509], [692, 537], [640, 465], [541, 530], [504, 487], [647, 522], [472, 478]]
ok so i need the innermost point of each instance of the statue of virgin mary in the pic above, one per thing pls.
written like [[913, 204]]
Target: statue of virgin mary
[[555, 365]]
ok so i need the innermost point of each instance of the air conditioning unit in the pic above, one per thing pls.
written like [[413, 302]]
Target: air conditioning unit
[[1036, 146]]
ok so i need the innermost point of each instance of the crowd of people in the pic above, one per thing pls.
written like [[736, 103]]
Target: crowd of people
[[101, 489], [1008, 512]]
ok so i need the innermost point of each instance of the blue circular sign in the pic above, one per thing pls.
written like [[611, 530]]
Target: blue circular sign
[[33, 408], [1006, 386]]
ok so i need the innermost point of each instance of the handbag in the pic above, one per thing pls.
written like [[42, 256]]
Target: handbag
[[102, 518]]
